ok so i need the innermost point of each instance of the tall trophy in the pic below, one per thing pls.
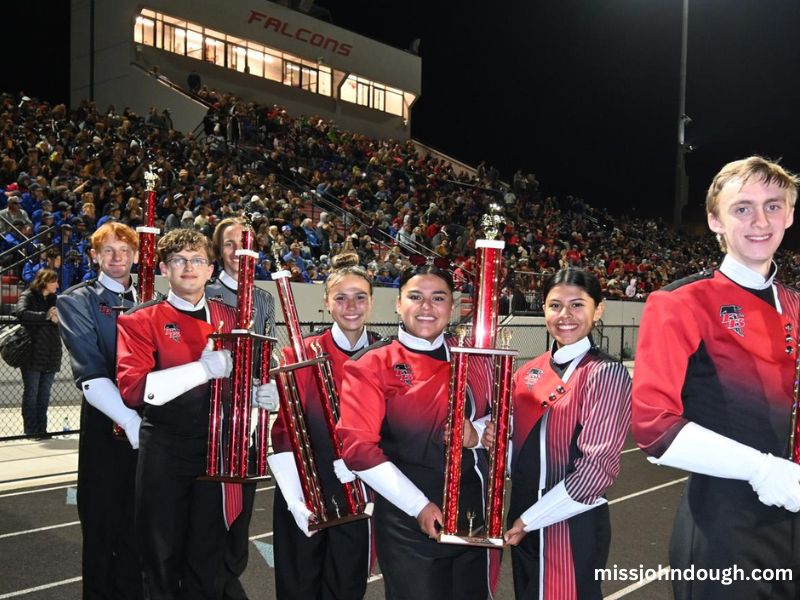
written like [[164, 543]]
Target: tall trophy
[[147, 241], [230, 413], [357, 505], [484, 343]]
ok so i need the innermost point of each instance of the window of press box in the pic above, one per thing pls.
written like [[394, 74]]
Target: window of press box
[[178, 36]]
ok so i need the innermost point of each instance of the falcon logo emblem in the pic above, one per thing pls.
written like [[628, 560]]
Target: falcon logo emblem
[[733, 318], [173, 332], [105, 309], [532, 377], [403, 372]]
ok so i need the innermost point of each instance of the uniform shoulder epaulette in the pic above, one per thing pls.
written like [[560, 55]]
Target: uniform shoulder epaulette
[[80, 285], [601, 355], [375, 346], [130, 311], [701, 276]]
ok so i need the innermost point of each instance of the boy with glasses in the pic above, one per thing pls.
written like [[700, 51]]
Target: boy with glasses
[[165, 365]]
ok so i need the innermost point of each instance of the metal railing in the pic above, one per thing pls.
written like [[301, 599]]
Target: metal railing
[[65, 397]]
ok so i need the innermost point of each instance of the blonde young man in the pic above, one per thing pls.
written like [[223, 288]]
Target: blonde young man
[[712, 393], [106, 466]]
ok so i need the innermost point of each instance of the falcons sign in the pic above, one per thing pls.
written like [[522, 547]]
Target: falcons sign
[[733, 318]]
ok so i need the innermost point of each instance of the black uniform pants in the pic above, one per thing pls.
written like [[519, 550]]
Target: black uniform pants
[[590, 539], [237, 549], [179, 520], [333, 564], [415, 567], [106, 476]]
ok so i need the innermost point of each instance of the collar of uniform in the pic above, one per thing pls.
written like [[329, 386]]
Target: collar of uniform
[[228, 281], [567, 353], [340, 339], [415, 343], [112, 285], [185, 305], [745, 276]]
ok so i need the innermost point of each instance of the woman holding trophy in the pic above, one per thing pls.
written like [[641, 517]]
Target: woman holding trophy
[[572, 408], [332, 562], [394, 408]]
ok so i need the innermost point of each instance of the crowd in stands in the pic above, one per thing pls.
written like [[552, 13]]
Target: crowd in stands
[[309, 187]]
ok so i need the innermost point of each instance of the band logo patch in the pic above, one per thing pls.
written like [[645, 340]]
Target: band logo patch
[[403, 372], [733, 318], [105, 309], [532, 377], [172, 331]]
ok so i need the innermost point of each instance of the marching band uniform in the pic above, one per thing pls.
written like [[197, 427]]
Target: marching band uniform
[[334, 563], [571, 415], [106, 466], [224, 288], [394, 408], [181, 532], [722, 394]]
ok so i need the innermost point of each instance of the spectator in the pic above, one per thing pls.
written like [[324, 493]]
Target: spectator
[[36, 310]]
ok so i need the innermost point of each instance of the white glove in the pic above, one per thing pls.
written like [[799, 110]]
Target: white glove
[[265, 396], [777, 483], [216, 363], [131, 429], [104, 396], [302, 516], [284, 470], [700, 450], [343, 474]]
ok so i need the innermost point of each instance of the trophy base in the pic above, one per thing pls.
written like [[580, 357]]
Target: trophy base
[[469, 540], [234, 479], [368, 510]]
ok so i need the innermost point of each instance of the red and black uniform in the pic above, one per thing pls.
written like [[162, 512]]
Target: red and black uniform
[[570, 422], [723, 356], [179, 519], [334, 562], [395, 405]]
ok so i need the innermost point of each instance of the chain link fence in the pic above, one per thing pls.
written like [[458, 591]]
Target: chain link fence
[[63, 416]]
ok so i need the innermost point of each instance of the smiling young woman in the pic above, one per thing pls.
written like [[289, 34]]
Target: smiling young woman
[[394, 408], [571, 413]]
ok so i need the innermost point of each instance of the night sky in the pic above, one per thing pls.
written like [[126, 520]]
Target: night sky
[[584, 93]]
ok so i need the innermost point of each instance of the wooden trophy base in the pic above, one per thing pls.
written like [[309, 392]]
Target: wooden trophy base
[[234, 479], [368, 510], [471, 540]]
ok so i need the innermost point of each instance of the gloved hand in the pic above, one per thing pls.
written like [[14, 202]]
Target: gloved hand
[[131, 429], [302, 516], [777, 483], [343, 474], [265, 396], [216, 363]]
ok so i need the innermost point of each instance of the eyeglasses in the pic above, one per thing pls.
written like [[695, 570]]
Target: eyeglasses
[[179, 262], [419, 260]]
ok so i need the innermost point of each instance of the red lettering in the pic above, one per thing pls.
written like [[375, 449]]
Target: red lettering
[[283, 29], [299, 32], [317, 39], [255, 16], [273, 23], [344, 49]]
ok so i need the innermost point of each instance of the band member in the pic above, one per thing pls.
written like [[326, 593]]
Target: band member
[[333, 562], [106, 466], [572, 407], [394, 409], [712, 392], [164, 365], [226, 241]]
